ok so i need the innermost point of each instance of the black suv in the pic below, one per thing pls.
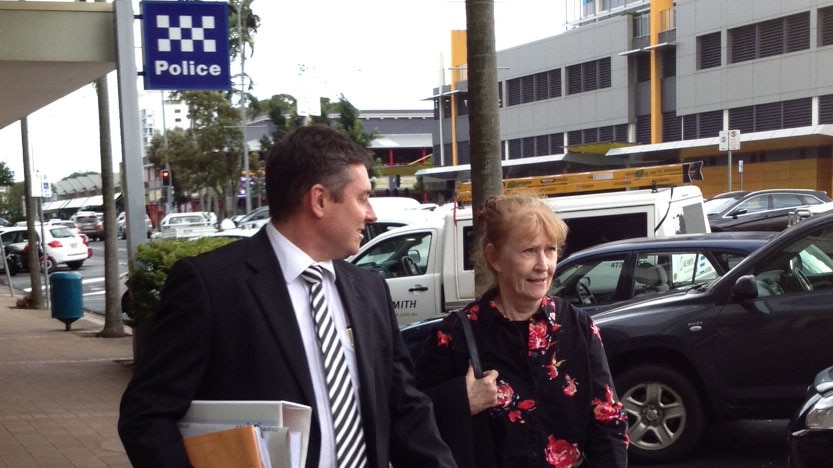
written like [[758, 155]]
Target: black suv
[[742, 346]]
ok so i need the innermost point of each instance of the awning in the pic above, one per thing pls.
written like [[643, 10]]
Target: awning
[[750, 142], [76, 202]]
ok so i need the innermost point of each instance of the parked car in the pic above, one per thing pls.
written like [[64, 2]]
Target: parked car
[[607, 274], [61, 245], [90, 224], [121, 225], [254, 220], [758, 210], [742, 346], [810, 431]]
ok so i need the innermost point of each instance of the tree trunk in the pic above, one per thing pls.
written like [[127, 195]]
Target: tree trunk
[[38, 299], [484, 127], [113, 324]]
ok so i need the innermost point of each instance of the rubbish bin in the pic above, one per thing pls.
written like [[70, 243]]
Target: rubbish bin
[[66, 297]]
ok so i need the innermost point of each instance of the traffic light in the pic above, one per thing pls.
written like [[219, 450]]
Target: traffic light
[[398, 181], [166, 178]]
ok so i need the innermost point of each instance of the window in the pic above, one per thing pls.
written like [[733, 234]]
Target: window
[[803, 266], [398, 257], [770, 38], [708, 51], [597, 278], [754, 205], [825, 26]]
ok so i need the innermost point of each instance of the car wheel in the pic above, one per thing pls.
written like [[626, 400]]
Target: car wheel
[[75, 265], [51, 266], [665, 412]]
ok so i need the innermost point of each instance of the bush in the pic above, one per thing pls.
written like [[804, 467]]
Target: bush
[[150, 269]]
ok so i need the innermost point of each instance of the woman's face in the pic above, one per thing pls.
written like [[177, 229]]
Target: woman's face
[[524, 266]]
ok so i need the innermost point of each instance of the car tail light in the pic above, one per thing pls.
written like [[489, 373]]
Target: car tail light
[[55, 244], [25, 249]]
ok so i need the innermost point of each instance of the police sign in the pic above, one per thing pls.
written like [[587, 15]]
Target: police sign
[[186, 45]]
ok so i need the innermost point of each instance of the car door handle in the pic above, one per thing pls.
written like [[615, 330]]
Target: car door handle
[[418, 288]]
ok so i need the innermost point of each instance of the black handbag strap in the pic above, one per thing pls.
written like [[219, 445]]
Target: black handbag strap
[[470, 343]]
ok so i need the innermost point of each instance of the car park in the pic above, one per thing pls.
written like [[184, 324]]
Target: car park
[[810, 430], [759, 210]]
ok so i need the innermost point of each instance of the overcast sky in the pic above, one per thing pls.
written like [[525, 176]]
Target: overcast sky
[[380, 54]]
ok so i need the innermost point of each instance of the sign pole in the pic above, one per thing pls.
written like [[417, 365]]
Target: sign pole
[[730, 169]]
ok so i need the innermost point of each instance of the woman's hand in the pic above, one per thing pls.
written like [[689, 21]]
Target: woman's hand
[[482, 393]]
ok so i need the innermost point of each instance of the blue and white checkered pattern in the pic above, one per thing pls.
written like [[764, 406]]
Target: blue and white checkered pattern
[[186, 34]]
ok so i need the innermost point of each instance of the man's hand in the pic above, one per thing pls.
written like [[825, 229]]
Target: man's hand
[[482, 393]]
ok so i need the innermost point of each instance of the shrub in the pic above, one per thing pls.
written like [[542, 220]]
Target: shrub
[[150, 269]]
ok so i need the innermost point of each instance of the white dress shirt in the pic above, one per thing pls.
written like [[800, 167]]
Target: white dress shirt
[[293, 262]]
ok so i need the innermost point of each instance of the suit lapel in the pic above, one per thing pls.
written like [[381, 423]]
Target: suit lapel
[[361, 321], [268, 287]]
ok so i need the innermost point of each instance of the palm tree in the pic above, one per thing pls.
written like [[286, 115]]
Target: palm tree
[[484, 127]]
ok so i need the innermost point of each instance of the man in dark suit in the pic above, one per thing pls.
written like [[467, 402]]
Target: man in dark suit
[[235, 323]]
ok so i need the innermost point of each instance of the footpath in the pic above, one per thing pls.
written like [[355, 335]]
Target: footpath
[[59, 390]]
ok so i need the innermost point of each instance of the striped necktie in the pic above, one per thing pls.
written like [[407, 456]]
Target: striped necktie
[[347, 428]]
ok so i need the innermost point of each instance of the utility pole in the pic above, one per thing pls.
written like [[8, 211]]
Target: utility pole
[[246, 182]]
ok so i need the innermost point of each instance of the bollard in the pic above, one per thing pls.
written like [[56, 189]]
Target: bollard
[[66, 297]]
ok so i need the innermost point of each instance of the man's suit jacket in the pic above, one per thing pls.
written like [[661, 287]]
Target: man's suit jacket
[[226, 330]]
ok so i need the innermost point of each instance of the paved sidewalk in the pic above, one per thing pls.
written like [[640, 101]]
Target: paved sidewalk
[[59, 390]]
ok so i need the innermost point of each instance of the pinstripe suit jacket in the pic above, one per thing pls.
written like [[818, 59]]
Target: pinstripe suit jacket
[[226, 330]]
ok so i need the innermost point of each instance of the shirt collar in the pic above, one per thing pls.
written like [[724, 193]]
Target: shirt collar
[[293, 260]]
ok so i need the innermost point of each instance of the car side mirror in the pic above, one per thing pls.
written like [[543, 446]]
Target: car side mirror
[[735, 213], [745, 288]]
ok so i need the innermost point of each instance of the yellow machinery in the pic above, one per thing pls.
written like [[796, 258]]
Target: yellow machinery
[[597, 181]]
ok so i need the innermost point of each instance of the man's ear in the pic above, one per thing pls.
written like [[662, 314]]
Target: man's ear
[[317, 198]]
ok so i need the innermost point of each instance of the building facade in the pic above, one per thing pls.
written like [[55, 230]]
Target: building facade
[[656, 82]]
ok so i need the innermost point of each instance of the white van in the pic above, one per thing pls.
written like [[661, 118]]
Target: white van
[[428, 265]]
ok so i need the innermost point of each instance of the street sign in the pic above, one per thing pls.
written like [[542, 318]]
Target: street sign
[[186, 45], [729, 140]]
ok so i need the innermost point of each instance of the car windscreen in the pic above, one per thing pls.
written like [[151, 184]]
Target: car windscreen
[[717, 205], [60, 232]]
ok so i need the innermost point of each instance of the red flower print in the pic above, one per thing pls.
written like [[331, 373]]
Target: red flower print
[[570, 388], [552, 367], [537, 336], [505, 395], [527, 405], [443, 339], [515, 416], [474, 312], [562, 454], [608, 410]]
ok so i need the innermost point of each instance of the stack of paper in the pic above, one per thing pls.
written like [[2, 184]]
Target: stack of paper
[[283, 426]]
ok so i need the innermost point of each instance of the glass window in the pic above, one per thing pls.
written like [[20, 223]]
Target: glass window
[[398, 257], [785, 200], [804, 265], [592, 282], [754, 204]]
